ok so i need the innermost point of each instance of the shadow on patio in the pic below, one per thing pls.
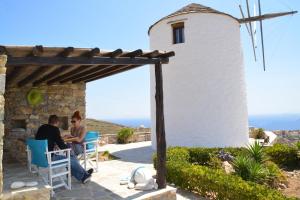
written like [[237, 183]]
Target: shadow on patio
[[140, 152], [105, 184]]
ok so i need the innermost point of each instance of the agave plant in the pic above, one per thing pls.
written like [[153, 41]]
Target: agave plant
[[256, 152], [250, 170], [257, 172], [241, 165]]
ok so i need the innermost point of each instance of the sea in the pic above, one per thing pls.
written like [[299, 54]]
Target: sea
[[267, 122]]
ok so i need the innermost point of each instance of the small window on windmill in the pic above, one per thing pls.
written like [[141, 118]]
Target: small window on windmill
[[178, 33]]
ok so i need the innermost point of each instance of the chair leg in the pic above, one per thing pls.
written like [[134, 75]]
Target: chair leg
[[50, 178], [69, 172], [97, 157], [85, 158]]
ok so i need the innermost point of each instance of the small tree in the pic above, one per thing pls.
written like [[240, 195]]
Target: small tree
[[124, 135], [258, 134]]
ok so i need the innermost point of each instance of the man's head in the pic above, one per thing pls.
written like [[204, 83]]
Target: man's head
[[53, 120]]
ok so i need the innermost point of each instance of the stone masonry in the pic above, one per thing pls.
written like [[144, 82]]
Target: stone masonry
[[22, 119], [3, 60]]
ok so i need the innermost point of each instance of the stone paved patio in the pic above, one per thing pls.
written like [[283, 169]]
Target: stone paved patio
[[105, 183]]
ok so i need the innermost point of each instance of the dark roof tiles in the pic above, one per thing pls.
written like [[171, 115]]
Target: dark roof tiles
[[192, 8]]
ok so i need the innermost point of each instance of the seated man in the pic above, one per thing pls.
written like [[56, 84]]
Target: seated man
[[51, 133]]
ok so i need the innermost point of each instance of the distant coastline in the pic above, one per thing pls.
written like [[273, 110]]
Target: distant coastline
[[268, 122]]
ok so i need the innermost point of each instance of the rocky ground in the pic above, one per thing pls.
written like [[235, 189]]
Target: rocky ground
[[293, 187]]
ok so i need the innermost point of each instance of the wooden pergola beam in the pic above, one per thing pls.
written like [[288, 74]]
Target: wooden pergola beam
[[93, 52], [68, 74], [38, 50], [46, 61], [265, 16], [3, 50], [113, 72], [167, 55], [14, 74], [114, 53], [151, 54], [50, 75], [85, 73], [66, 52], [98, 73], [32, 77], [160, 128], [133, 54]]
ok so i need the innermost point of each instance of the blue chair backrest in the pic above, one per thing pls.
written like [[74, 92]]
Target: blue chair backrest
[[38, 149], [91, 136]]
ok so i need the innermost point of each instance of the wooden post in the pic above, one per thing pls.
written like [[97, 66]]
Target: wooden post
[[3, 59], [160, 128]]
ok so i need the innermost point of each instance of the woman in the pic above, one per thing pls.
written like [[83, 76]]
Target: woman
[[77, 131]]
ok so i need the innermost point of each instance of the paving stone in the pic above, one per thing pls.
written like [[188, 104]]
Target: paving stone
[[105, 184]]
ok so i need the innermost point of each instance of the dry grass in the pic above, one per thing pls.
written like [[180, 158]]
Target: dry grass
[[103, 127]]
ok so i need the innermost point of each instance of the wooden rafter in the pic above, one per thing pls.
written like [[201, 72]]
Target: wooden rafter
[[85, 73], [151, 54], [66, 52], [92, 52], [113, 54], [50, 75], [32, 77], [68, 74], [14, 74], [99, 72], [113, 72], [133, 54], [2, 50], [38, 50]]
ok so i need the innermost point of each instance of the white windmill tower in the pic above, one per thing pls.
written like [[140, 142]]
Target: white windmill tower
[[204, 84]]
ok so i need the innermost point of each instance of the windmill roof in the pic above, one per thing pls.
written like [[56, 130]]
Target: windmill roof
[[192, 8]]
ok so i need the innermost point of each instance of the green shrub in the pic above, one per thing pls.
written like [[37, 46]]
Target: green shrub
[[283, 155], [201, 156], [124, 135], [255, 151], [258, 134], [179, 154], [235, 151], [275, 176], [298, 145], [215, 163], [216, 183]]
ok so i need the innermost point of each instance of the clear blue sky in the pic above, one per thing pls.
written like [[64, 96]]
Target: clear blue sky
[[124, 24]]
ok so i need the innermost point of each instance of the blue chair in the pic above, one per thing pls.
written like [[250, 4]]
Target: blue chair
[[39, 157], [90, 147]]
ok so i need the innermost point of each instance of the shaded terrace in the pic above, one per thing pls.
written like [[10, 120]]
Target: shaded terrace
[[42, 67]]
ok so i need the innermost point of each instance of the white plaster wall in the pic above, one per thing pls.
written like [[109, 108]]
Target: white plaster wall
[[204, 84]]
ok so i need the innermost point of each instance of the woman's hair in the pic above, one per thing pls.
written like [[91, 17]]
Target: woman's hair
[[76, 115]]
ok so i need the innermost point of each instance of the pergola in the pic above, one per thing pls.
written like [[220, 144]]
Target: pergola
[[37, 65]]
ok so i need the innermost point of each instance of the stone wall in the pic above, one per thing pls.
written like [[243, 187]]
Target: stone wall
[[3, 60], [22, 119], [137, 137]]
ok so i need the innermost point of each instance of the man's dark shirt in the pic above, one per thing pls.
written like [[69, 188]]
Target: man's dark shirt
[[52, 134]]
